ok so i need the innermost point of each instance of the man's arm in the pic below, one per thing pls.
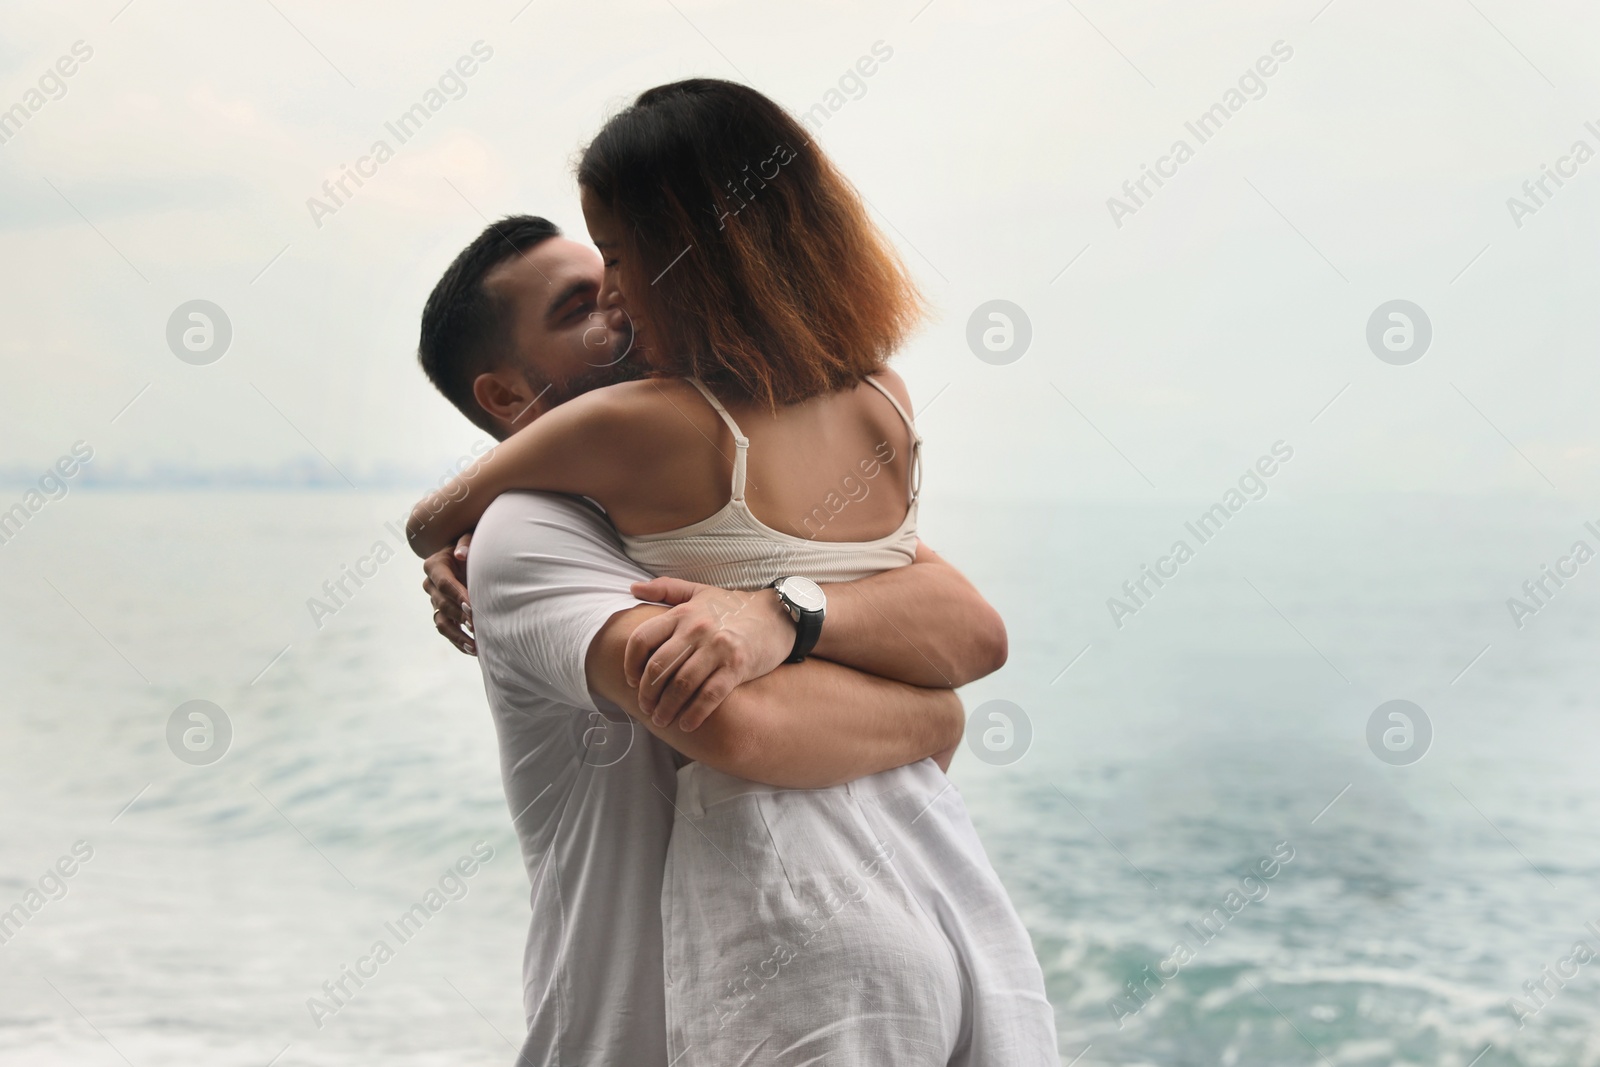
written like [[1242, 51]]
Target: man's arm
[[802, 726], [922, 624]]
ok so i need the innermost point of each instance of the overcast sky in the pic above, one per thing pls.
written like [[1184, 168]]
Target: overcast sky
[[1173, 340]]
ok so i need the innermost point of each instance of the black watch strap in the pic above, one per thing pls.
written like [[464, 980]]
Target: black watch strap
[[806, 605], [807, 631]]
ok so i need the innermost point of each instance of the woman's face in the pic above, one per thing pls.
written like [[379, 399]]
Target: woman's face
[[617, 290]]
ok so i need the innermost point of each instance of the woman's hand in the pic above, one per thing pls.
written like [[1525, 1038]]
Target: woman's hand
[[445, 582], [687, 661]]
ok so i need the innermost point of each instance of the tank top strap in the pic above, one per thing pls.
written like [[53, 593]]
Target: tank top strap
[[741, 443], [916, 438]]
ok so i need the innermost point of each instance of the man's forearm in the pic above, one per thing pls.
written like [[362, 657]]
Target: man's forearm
[[803, 726], [924, 624]]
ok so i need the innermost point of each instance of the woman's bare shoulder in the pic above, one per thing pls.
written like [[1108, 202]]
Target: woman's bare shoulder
[[654, 444], [642, 398], [650, 410], [891, 380]]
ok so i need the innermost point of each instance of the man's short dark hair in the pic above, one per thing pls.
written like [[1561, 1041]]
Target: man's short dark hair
[[466, 331]]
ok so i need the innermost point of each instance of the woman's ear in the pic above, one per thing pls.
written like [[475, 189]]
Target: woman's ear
[[507, 397]]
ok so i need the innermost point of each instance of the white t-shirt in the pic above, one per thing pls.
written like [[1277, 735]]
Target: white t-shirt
[[590, 793]]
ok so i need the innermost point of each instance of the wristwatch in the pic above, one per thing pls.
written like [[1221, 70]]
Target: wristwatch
[[804, 601]]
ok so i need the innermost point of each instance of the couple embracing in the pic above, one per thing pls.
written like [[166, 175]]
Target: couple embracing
[[720, 662]]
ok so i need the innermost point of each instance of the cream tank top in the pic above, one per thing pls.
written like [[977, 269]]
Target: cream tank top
[[735, 550]]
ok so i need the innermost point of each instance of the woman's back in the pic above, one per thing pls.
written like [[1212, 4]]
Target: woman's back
[[826, 488]]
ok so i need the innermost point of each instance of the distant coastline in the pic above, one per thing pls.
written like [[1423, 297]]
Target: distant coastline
[[304, 473]]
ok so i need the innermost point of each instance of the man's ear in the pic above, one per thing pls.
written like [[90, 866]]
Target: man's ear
[[507, 397]]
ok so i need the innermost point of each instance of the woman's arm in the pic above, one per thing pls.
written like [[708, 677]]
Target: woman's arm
[[582, 447]]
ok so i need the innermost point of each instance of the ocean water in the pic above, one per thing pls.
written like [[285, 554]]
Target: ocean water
[[1223, 723]]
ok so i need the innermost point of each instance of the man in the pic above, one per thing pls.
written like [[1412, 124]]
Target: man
[[557, 620]]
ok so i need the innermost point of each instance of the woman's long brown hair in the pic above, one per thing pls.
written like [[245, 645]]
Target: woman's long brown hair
[[751, 259]]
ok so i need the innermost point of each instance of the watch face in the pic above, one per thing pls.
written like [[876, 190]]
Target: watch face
[[803, 593]]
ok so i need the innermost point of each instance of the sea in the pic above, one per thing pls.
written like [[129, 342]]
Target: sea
[[1322, 794]]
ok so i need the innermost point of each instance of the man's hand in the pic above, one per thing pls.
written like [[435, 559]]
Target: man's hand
[[445, 582], [686, 661], [804, 726]]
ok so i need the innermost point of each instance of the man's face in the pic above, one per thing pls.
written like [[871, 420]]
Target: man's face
[[564, 342]]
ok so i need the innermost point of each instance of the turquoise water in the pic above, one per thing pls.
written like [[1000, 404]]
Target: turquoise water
[[1225, 719], [1210, 728]]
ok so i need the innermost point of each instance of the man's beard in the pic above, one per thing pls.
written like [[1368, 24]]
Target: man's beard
[[622, 369]]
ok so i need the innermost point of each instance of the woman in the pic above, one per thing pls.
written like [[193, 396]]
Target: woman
[[855, 925]]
